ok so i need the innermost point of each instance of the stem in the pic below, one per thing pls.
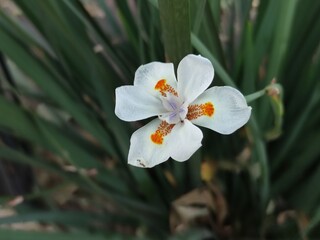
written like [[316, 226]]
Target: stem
[[255, 96]]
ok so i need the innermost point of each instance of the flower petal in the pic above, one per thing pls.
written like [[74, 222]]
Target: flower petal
[[195, 74], [187, 140], [135, 103], [149, 147], [223, 109], [156, 77]]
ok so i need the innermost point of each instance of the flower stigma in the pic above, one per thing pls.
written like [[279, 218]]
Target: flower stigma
[[177, 109]]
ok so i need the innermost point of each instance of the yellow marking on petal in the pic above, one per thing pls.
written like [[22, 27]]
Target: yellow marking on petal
[[163, 87], [198, 110], [163, 130]]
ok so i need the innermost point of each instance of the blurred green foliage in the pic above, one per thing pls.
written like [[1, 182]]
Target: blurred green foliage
[[62, 61]]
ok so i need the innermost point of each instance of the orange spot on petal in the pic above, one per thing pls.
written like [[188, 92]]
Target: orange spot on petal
[[157, 137], [164, 88], [198, 110], [163, 130], [160, 84], [207, 109]]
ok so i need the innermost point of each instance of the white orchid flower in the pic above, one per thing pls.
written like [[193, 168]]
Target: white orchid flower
[[179, 106]]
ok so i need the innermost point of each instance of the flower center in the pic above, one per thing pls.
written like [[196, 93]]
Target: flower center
[[177, 110]]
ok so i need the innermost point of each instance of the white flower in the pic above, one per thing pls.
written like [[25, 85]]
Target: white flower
[[179, 105]]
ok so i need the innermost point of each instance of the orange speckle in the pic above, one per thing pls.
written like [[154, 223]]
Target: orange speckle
[[160, 84], [157, 137], [207, 109], [163, 130], [198, 110], [163, 87]]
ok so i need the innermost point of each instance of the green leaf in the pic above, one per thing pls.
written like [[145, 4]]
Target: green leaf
[[282, 34], [204, 51], [314, 223], [175, 22], [67, 218], [260, 155], [248, 83], [26, 235]]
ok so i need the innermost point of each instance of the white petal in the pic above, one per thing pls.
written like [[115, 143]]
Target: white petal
[[135, 103], [187, 140], [230, 110], [143, 151], [195, 74], [150, 74]]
